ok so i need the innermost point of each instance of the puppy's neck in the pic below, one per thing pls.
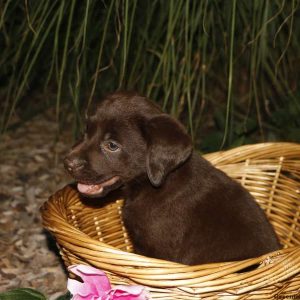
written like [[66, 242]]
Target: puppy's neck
[[179, 178], [137, 187]]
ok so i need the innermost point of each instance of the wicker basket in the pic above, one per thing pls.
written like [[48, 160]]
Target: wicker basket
[[95, 235]]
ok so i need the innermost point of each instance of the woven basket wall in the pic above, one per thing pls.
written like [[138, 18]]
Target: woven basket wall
[[96, 235]]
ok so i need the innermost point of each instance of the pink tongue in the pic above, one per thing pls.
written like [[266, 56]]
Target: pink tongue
[[89, 188]]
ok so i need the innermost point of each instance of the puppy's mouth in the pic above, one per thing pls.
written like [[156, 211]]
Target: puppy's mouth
[[98, 189]]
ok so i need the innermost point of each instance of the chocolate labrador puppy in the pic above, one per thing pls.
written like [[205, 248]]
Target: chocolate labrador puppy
[[178, 207]]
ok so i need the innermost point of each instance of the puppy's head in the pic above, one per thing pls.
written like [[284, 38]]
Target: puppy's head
[[126, 138]]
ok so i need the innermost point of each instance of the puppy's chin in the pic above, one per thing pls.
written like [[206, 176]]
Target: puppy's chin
[[99, 190]]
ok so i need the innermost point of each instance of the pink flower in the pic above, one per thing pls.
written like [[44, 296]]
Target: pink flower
[[96, 286]]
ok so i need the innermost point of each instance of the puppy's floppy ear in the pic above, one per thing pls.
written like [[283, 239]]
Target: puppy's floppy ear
[[168, 147]]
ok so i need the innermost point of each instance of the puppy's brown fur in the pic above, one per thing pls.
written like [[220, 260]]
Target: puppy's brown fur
[[178, 206]]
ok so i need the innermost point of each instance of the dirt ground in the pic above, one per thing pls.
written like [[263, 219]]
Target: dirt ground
[[30, 170]]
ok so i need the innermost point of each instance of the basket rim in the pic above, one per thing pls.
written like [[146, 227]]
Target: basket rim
[[254, 151]]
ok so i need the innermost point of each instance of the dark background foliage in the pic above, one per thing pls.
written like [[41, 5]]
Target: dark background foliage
[[229, 70]]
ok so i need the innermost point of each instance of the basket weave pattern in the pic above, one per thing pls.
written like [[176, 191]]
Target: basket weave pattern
[[95, 235]]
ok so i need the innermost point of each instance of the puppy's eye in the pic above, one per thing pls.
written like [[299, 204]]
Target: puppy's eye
[[111, 146]]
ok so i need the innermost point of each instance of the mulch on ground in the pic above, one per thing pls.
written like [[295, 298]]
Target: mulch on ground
[[31, 170]]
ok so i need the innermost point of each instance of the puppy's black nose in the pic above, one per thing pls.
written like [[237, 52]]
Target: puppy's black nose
[[74, 164]]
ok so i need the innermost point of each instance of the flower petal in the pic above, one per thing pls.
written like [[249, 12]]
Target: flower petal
[[76, 287], [94, 281], [96, 286], [129, 292], [90, 297]]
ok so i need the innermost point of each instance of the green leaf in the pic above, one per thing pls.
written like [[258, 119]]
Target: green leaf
[[22, 294]]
